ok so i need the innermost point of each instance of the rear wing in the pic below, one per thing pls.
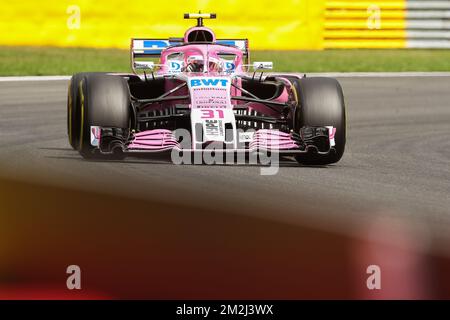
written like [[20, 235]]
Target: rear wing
[[152, 48]]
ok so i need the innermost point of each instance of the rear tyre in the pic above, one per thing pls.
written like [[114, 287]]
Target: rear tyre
[[321, 103], [97, 100]]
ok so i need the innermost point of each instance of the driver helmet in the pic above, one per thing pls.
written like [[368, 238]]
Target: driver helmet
[[214, 65], [195, 64]]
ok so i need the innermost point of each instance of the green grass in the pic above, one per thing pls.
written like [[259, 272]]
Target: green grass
[[66, 61]]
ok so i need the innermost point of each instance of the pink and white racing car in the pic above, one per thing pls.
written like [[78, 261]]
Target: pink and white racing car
[[202, 94]]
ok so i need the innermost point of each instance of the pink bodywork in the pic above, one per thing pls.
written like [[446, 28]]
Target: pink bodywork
[[154, 140], [207, 51], [163, 139]]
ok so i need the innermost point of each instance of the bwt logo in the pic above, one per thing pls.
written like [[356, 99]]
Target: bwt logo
[[209, 82]]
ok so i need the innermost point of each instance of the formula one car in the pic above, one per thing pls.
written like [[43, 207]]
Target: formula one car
[[205, 88]]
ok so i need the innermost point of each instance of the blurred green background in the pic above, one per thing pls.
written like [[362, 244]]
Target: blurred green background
[[20, 61]]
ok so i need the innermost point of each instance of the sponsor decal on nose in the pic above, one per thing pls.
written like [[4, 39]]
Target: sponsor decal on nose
[[208, 82]]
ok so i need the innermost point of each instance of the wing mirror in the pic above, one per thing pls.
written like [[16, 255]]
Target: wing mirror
[[142, 65], [263, 65]]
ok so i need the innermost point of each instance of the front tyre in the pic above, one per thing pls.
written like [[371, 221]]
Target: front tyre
[[320, 104], [73, 110], [101, 100]]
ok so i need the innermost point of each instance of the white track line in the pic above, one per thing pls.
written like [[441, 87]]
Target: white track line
[[331, 74], [34, 78]]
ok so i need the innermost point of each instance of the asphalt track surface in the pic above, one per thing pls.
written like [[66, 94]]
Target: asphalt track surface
[[396, 164]]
